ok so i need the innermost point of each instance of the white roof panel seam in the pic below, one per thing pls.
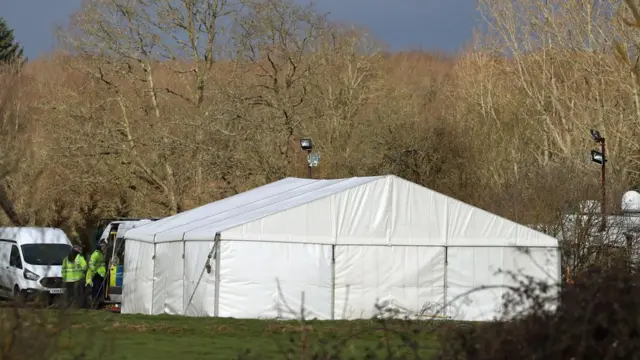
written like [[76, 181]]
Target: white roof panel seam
[[236, 207], [268, 205], [252, 202], [292, 207], [228, 222], [237, 197]]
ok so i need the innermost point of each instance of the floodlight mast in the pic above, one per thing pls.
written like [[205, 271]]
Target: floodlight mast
[[307, 145], [598, 138]]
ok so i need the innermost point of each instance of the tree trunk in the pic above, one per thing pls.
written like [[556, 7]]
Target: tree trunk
[[7, 206]]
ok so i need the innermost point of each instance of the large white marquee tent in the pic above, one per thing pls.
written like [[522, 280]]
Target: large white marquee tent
[[333, 247]]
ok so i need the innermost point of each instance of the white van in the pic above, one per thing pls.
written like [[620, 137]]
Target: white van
[[31, 261]]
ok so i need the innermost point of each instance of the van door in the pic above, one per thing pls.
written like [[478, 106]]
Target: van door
[[112, 241], [15, 267], [5, 249]]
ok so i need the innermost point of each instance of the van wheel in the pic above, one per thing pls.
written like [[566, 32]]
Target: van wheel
[[18, 296]]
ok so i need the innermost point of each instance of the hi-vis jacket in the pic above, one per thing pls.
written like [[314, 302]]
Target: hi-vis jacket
[[73, 271], [96, 266]]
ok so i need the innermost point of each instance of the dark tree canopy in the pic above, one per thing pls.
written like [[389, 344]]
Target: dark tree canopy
[[10, 50]]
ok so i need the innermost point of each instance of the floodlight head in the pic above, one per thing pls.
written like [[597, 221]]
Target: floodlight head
[[597, 157], [595, 135], [306, 144]]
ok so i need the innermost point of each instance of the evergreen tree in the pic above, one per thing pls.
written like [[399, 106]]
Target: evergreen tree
[[10, 50]]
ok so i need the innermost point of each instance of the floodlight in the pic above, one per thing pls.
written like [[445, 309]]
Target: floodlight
[[313, 159], [306, 144], [597, 157]]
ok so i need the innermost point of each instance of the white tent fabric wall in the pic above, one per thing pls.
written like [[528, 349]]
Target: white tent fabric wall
[[251, 287], [405, 277], [469, 268], [332, 247], [138, 277]]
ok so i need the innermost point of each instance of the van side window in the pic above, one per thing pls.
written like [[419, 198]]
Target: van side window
[[14, 258]]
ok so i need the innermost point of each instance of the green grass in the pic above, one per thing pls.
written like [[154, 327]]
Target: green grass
[[124, 337]]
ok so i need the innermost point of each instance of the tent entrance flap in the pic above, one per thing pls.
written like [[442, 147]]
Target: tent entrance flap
[[208, 267], [169, 278]]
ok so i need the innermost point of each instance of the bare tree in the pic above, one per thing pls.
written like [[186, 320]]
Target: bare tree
[[559, 63], [347, 79], [133, 40], [14, 135], [273, 40]]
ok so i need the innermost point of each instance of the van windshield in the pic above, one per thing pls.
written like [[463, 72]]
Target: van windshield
[[45, 254]]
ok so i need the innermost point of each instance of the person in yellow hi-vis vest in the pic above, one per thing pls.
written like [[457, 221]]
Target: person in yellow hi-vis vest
[[97, 272], [73, 268]]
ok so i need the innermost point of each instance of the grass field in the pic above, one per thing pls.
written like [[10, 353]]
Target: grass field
[[123, 337]]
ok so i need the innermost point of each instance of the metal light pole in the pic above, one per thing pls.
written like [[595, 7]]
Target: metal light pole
[[313, 159], [309, 167], [600, 158]]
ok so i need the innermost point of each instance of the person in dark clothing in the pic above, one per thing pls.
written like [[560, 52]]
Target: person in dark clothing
[[73, 270]]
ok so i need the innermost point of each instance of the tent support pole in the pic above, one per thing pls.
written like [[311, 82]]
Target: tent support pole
[[207, 268], [184, 277], [216, 257], [560, 281], [153, 276], [333, 282], [446, 270]]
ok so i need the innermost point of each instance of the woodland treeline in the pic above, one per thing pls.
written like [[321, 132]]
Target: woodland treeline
[[153, 107]]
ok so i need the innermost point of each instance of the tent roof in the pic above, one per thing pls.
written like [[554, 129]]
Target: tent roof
[[237, 209], [378, 210]]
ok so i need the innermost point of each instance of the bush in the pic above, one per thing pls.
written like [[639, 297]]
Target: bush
[[36, 332]]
